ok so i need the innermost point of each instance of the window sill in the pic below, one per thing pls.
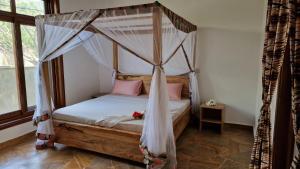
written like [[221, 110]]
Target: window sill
[[15, 122]]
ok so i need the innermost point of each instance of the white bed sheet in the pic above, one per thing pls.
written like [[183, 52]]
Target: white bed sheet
[[94, 111]]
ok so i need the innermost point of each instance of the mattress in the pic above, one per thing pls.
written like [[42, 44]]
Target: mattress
[[94, 111]]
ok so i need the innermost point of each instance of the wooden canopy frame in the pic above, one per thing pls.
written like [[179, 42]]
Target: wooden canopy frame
[[125, 143], [179, 23]]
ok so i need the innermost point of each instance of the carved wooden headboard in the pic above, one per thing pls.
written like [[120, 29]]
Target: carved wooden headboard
[[170, 79]]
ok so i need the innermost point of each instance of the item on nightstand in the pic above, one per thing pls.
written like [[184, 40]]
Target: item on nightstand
[[211, 102]]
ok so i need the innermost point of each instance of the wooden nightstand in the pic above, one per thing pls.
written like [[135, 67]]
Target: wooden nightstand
[[98, 95], [212, 116]]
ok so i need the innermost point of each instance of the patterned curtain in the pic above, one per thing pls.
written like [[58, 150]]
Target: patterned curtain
[[294, 36], [276, 36]]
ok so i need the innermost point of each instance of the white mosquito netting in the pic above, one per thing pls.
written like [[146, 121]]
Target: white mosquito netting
[[150, 37]]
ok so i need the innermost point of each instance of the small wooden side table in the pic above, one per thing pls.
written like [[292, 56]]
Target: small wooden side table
[[212, 116]]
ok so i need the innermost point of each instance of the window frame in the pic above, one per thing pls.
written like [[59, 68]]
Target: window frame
[[24, 114]]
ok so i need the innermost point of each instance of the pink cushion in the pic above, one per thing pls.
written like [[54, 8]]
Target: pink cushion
[[127, 87], [174, 90]]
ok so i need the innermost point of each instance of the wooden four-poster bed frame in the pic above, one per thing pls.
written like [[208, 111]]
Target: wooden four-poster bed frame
[[116, 142]]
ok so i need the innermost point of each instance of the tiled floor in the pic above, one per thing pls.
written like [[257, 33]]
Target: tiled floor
[[206, 150]]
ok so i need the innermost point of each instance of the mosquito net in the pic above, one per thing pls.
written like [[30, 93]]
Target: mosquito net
[[150, 37]]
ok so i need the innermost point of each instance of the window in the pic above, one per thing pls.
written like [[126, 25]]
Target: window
[[30, 7], [18, 59], [8, 85], [30, 58], [5, 5]]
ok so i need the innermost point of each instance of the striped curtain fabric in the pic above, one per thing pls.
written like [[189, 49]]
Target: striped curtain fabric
[[276, 37], [294, 40], [283, 25]]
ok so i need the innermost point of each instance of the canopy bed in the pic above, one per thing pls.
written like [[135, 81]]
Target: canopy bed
[[141, 42]]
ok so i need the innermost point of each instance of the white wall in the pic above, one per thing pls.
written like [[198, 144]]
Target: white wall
[[105, 79], [229, 49], [229, 71], [16, 131], [82, 78]]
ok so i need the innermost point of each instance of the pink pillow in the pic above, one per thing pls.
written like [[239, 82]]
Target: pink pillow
[[127, 87], [174, 90]]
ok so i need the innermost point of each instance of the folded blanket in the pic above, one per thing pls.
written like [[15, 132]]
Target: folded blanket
[[111, 121]]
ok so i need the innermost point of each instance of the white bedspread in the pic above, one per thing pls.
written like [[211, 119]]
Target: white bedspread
[[113, 111]]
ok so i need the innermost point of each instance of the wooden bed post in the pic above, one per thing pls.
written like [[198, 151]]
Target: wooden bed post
[[57, 67], [115, 57], [157, 36]]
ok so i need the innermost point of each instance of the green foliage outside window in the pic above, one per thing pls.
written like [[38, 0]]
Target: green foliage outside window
[[28, 7]]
